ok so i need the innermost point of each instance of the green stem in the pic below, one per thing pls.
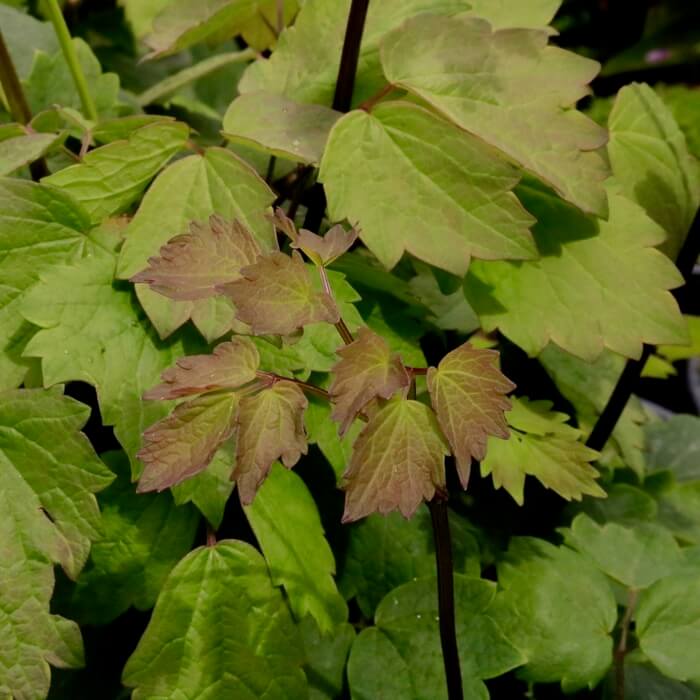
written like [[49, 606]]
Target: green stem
[[68, 49], [621, 650]]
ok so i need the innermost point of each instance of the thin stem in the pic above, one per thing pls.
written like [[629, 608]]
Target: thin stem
[[68, 49], [211, 536], [340, 326], [633, 369], [446, 598], [270, 169], [280, 16], [370, 102], [17, 102], [272, 378], [621, 650]]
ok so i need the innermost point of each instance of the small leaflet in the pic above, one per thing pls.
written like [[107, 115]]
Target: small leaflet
[[468, 391], [367, 370]]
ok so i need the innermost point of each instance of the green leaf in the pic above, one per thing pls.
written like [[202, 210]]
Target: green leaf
[[543, 445], [588, 386], [19, 149], [39, 227], [270, 427], [503, 90], [559, 610], [94, 331], [188, 643], [468, 391], [385, 551], [442, 170], [649, 157], [673, 353], [644, 682], [287, 525], [184, 443], [625, 504], [609, 268], [24, 36], [668, 625], [398, 461], [400, 658], [367, 370], [111, 178], [48, 475], [316, 40], [506, 14], [276, 296], [182, 24], [679, 511], [140, 14], [279, 126], [684, 103], [674, 444], [635, 556], [141, 539], [192, 189]]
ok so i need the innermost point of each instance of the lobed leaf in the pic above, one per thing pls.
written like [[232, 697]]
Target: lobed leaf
[[452, 201], [270, 426], [367, 370], [504, 89], [276, 296], [192, 265], [398, 461], [467, 391]]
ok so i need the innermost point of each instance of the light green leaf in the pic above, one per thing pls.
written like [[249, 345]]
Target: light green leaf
[[287, 525], [650, 159], [23, 148], [94, 331], [48, 476], [401, 659], [543, 445], [189, 649], [39, 227], [548, 593], [674, 444], [668, 625], [387, 551], [25, 36], [140, 14], [316, 39], [141, 539], [607, 268], [684, 102], [111, 178], [673, 353], [635, 556], [588, 386], [279, 126], [512, 91], [506, 14], [452, 201], [194, 188]]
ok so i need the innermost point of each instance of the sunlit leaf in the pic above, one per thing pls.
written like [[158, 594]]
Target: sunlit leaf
[[507, 14]]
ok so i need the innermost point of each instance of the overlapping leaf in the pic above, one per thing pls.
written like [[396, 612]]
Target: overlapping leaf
[[508, 14], [452, 201], [192, 189], [270, 427], [609, 268], [543, 445], [468, 391], [111, 178], [504, 88], [280, 126], [367, 370], [191, 265], [189, 640], [276, 296], [19, 147], [398, 461]]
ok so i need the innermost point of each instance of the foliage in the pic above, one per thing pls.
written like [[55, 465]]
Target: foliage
[[266, 314]]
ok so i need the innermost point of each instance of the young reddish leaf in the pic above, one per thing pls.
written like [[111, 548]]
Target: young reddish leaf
[[276, 296], [270, 427], [232, 364], [191, 265], [467, 391], [184, 443], [398, 460], [367, 370]]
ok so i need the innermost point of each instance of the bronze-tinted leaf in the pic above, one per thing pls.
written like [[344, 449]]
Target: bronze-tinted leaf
[[270, 427], [467, 391], [367, 370], [398, 460], [191, 265], [231, 365], [276, 296], [184, 443]]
